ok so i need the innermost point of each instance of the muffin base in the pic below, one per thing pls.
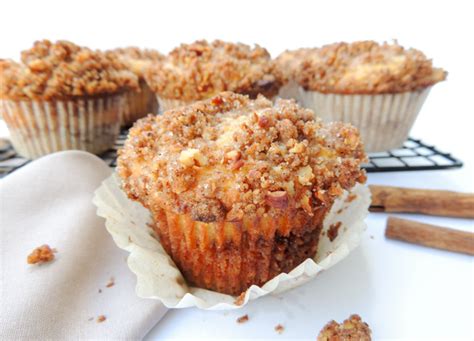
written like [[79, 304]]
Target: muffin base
[[138, 104], [229, 257], [38, 128], [384, 121]]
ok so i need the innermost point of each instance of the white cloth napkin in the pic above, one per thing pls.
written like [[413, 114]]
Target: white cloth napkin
[[49, 202]]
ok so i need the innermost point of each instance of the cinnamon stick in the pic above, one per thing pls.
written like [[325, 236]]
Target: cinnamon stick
[[426, 201], [430, 235]]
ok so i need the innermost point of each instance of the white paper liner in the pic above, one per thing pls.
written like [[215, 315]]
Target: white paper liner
[[158, 278], [38, 128], [290, 91], [384, 121], [139, 104]]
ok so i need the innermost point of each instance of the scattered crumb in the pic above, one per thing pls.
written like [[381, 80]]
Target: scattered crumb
[[180, 280], [101, 318], [279, 328], [333, 231], [243, 319], [240, 299], [130, 239], [352, 329], [42, 254], [111, 282], [339, 211], [90, 319], [100, 291], [371, 237]]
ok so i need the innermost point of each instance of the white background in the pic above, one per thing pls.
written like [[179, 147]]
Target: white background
[[403, 291]]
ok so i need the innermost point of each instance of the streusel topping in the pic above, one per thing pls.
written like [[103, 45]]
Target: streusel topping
[[289, 61], [137, 60], [200, 70], [367, 67], [352, 329], [229, 156], [63, 70]]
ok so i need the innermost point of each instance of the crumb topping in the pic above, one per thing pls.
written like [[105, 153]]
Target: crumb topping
[[41, 254], [229, 156], [279, 328], [352, 329], [367, 67], [101, 318], [137, 60], [289, 61], [200, 70], [62, 70]]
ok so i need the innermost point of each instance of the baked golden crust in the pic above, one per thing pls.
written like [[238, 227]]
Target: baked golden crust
[[200, 70], [367, 67], [63, 70], [352, 329], [137, 60], [226, 157]]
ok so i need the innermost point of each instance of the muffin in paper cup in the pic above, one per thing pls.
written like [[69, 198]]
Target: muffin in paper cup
[[63, 96], [158, 277], [379, 88], [142, 102], [200, 70], [38, 128], [238, 189]]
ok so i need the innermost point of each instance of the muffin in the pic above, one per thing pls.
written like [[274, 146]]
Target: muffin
[[352, 329], [63, 96], [200, 70], [237, 188], [286, 67], [380, 88], [142, 102]]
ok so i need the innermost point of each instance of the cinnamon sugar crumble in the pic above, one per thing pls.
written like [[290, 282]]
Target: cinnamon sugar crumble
[[279, 328], [62, 70], [202, 69], [288, 62], [333, 231], [136, 59], [41, 254], [367, 67], [243, 319], [184, 160], [352, 329]]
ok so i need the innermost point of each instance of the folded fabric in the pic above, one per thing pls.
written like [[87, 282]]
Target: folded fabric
[[49, 202]]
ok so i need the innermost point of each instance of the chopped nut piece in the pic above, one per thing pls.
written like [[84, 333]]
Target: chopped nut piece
[[305, 175], [278, 199], [101, 318], [243, 319], [190, 157], [279, 328], [352, 329], [233, 156], [42, 254], [298, 148]]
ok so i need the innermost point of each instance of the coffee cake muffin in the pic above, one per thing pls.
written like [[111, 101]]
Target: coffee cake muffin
[[238, 188], [352, 329], [63, 96], [142, 102], [197, 71], [380, 88]]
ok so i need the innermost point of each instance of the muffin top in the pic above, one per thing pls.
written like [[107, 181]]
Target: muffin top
[[367, 67], [200, 70], [136, 59], [352, 329], [229, 156], [62, 70], [289, 61]]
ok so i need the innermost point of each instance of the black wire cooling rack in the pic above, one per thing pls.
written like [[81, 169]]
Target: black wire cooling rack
[[414, 155]]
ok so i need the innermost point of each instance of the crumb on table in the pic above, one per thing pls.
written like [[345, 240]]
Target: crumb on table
[[101, 318], [111, 282], [243, 319], [41, 254], [240, 299], [352, 329], [333, 231], [279, 328]]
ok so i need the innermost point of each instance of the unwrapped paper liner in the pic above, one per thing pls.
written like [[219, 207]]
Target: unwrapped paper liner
[[158, 278]]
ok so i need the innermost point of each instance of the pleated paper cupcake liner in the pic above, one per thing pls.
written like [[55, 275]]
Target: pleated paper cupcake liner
[[290, 91], [159, 278], [38, 128], [384, 121], [139, 104]]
